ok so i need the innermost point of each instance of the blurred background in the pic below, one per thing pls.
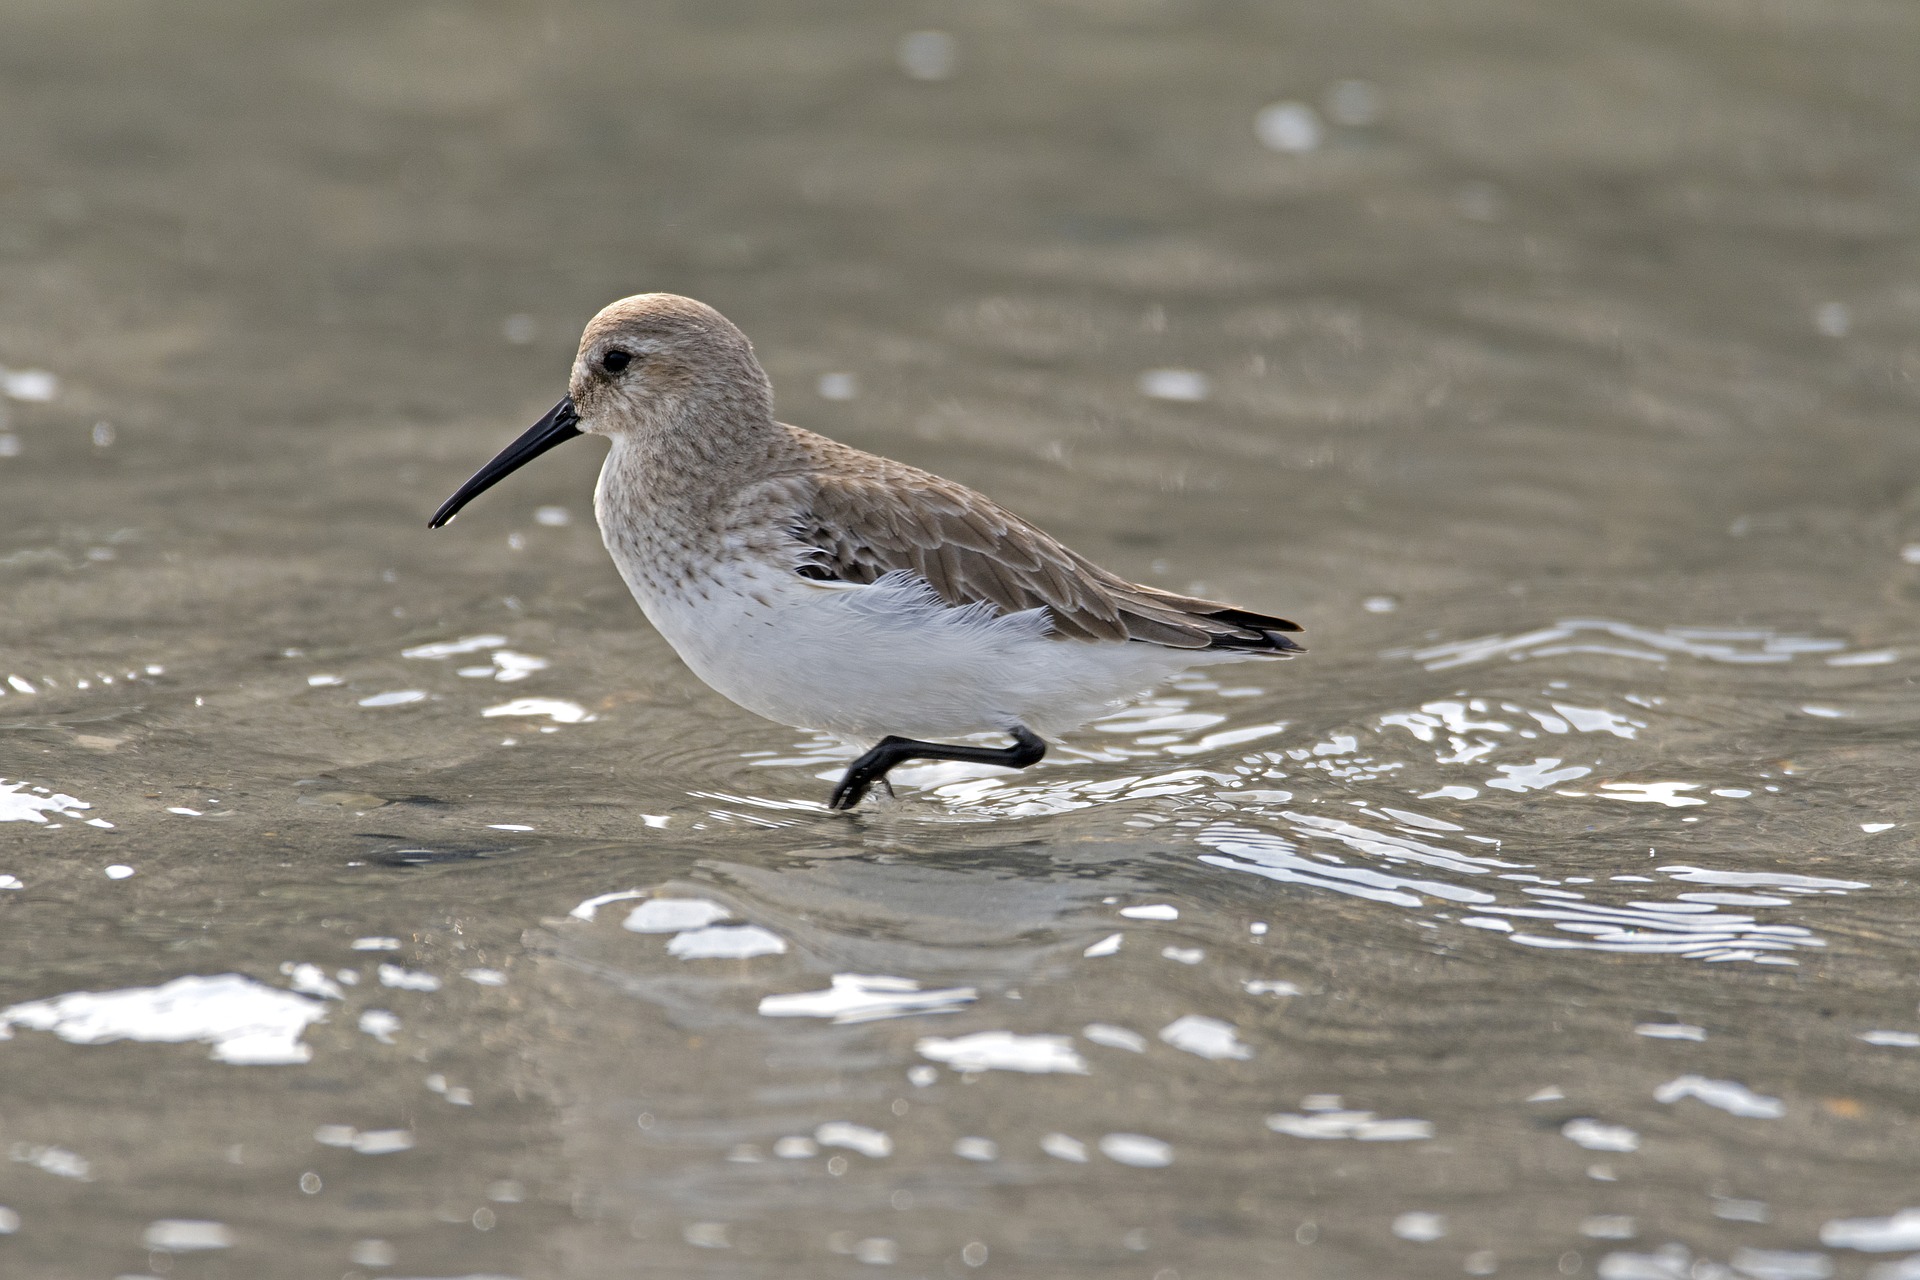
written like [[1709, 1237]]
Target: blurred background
[[1556, 366]]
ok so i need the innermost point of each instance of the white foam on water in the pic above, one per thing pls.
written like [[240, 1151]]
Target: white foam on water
[[1205, 1037], [1187, 385], [1608, 1226], [510, 666], [1663, 793], [1360, 1126], [312, 980], [58, 1161], [246, 1022], [1730, 1096], [586, 910], [1872, 658], [19, 804], [1004, 1051], [858, 997], [1114, 1037], [671, 915], [876, 1252], [1291, 128], [1596, 1135], [726, 942], [1670, 1031], [1546, 771], [557, 710], [1062, 1147], [1732, 1210], [380, 1024], [453, 648], [35, 386], [1136, 1149], [1874, 1235], [185, 1235], [1781, 1264], [392, 975], [395, 698], [1419, 1227], [381, 1142], [854, 1137], [373, 1253]]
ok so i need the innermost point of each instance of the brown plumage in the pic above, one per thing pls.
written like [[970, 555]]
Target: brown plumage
[[863, 516], [827, 588]]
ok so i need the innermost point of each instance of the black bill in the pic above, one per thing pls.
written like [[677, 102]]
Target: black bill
[[559, 426]]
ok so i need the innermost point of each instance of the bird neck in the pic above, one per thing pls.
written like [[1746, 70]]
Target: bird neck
[[693, 459]]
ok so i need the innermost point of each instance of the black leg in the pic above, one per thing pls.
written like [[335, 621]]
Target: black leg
[[888, 752]]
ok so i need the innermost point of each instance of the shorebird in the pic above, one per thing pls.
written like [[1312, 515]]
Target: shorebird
[[835, 590]]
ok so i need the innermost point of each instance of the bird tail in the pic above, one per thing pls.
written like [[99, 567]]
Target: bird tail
[[1189, 622], [1252, 632]]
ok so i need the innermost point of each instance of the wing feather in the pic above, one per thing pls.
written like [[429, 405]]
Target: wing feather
[[859, 517]]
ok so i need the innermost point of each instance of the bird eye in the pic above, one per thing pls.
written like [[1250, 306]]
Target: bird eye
[[615, 361]]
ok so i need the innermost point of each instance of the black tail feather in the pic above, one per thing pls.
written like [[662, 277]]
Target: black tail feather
[[1253, 621], [1264, 633]]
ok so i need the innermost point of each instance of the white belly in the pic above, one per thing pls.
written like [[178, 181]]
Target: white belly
[[891, 657]]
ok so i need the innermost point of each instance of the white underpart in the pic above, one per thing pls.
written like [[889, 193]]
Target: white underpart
[[891, 657]]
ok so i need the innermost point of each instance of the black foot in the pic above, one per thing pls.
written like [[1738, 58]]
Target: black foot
[[874, 766]]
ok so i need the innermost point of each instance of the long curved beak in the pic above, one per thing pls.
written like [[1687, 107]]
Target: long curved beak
[[559, 426]]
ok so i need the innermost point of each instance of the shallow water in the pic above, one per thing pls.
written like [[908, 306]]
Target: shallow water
[[381, 902]]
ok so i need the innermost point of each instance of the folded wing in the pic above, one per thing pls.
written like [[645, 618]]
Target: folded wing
[[854, 523]]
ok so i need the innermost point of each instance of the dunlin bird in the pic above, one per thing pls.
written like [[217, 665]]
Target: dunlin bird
[[826, 588]]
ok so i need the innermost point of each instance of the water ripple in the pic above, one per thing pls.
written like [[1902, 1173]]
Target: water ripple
[[1690, 928], [1744, 645]]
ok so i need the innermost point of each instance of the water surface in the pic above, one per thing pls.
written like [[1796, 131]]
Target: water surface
[[381, 902]]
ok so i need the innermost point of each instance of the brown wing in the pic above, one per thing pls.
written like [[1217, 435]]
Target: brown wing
[[862, 516]]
